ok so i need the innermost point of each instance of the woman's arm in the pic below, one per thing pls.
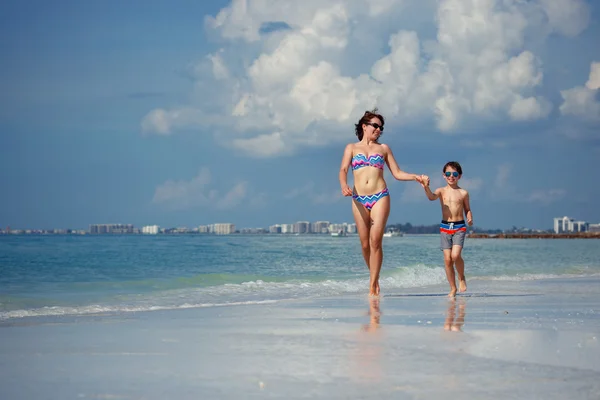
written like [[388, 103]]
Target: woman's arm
[[343, 176], [397, 173]]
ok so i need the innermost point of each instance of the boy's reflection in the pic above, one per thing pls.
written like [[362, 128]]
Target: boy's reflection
[[455, 322]]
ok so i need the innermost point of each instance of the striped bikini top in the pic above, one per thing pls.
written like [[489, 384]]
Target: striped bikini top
[[374, 160]]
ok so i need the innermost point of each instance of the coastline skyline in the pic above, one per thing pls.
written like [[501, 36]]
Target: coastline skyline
[[266, 228]]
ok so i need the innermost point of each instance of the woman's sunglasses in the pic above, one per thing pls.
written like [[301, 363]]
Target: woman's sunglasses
[[449, 174], [376, 126]]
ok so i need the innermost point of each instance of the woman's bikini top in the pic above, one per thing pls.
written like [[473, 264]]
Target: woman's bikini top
[[374, 160]]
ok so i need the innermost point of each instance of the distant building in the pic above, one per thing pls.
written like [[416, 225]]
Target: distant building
[[562, 224], [151, 229], [302, 227], [222, 229], [319, 227], [287, 228], [594, 227], [580, 226], [100, 229], [569, 225], [352, 228]]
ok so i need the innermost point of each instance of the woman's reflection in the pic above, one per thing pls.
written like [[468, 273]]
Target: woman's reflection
[[374, 315]]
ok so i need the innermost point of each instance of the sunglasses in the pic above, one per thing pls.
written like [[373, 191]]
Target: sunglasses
[[449, 174], [376, 126]]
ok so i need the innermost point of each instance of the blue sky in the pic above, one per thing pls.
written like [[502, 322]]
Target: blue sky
[[186, 113]]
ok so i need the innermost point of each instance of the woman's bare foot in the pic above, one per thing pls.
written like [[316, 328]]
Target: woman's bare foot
[[462, 285], [374, 289], [452, 293]]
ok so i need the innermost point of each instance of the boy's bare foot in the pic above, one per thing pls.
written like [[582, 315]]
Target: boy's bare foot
[[452, 293], [462, 285]]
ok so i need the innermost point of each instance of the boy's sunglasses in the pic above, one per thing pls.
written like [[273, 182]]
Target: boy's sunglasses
[[374, 125], [449, 174]]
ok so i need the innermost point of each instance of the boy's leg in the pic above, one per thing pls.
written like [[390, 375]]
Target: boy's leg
[[460, 267], [449, 265], [458, 243]]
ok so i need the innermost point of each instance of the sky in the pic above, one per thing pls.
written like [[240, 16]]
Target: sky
[[187, 113]]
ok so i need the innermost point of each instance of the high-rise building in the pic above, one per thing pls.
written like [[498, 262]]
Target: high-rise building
[[111, 228], [302, 227], [564, 224], [320, 227], [568, 224], [151, 229], [287, 228], [222, 229]]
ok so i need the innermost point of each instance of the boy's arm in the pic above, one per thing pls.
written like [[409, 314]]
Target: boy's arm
[[432, 195], [467, 208]]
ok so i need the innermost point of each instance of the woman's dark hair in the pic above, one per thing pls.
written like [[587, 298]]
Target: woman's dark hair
[[453, 164], [369, 115]]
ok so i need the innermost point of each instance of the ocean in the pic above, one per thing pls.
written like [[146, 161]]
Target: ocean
[[55, 275]]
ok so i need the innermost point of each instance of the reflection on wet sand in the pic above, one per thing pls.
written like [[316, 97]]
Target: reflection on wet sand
[[455, 321], [374, 315], [369, 351]]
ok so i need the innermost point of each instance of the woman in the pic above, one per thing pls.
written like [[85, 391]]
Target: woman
[[371, 198]]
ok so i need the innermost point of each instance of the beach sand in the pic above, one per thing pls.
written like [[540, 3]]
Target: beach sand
[[502, 340]]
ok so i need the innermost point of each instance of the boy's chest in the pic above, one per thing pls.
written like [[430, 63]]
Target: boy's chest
[[452, 197]]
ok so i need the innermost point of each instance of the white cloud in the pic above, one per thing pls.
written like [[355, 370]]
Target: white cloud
[[582, 101], [530, 108], [568, 17], [196, 192], [306, 86], [546, 196], [593, 82]]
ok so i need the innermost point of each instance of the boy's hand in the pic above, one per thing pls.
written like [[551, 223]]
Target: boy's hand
[[424, 181], [470, 221]]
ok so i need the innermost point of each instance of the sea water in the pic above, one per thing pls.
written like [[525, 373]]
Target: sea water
[[58, 275]]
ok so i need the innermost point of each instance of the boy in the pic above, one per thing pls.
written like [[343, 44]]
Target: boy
[[455, 204]]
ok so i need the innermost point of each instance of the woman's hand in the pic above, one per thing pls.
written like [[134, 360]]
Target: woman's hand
[[346, 191]]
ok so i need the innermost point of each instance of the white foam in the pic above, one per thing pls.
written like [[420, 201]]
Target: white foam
[[263, 292]]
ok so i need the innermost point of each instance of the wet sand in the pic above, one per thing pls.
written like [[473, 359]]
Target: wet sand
[[501, 340]]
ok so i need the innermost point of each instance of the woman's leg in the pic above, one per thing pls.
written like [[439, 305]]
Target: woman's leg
[[379, 216], [363, 227]]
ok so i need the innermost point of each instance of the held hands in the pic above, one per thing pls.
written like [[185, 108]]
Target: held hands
[[346, 191], [423, 180]]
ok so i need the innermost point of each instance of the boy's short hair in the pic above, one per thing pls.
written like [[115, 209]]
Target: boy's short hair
[[453, 164]]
